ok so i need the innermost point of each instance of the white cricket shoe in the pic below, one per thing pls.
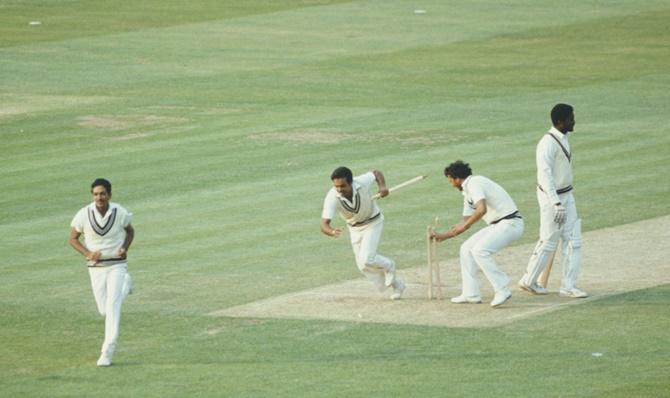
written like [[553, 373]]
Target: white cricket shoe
[[462, 299], [105, 360], [398, 289], [573, 293], [501, 297], [532, 289]]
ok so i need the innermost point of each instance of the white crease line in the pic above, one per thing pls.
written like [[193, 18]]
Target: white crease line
[[573, 301]]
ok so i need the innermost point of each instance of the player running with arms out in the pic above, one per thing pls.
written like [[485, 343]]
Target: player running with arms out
[[482, 199], [108, 234], [353, 200]]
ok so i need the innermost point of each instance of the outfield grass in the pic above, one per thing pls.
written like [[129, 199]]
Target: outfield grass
[[218, 124]]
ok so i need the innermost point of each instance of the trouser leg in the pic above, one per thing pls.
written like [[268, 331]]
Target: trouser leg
[[571, 243], [469, 269], [116, 278], [546, 245], [379, 269], [99, 285], [491, 240], [127, 285]]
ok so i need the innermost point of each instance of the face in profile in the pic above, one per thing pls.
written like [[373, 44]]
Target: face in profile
[[455, 182], [568, 124]]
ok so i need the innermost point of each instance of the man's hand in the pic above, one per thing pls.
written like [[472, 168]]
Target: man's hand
[[122, 252], [93, 257], [383, 192], [455, 230], [436, 236], [326, 229], [560, 214]]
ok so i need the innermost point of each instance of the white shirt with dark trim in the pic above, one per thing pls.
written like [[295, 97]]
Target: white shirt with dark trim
[[360, 208], [554, 170], [105, 234], [498, 202]]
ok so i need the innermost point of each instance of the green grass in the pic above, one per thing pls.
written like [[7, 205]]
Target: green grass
[[218, 124]]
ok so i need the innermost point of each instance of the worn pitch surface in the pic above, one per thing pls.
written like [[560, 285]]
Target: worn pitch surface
[[614, 260]]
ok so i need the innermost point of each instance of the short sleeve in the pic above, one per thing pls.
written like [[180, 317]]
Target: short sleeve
[[366, 180], [329, 206], [127, 219], [78, 222], [476, 190], [467, 209]]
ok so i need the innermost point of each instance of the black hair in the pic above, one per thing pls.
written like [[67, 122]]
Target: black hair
[[342, 172], [560, 113], [104, 183], [458, 169]]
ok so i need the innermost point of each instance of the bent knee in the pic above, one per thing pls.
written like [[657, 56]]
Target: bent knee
[[480, 252], [366, 261]]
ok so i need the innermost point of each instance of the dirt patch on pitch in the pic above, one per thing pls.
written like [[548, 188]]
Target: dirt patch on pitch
[[330, 136], [614, 260], [315, 136], [19, 105], [126, 122]]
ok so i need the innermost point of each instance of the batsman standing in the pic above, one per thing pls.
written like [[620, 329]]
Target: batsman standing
[[353, 199], [482, 199], [558, 213], [107, 238]]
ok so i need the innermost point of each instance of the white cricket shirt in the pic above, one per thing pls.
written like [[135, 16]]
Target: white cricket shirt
[[498, 202], [554, 171], [360, 209], [105, 234]]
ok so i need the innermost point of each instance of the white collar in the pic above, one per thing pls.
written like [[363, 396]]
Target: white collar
[[555, 132], [112, 206], [463, 186]]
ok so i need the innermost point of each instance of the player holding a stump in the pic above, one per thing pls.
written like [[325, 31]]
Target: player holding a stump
[[482, 199]]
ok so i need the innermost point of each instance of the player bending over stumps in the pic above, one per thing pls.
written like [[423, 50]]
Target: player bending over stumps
[[353, 200], [485, 199]]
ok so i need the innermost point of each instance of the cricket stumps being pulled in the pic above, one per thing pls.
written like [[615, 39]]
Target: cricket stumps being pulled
[[434, 278]]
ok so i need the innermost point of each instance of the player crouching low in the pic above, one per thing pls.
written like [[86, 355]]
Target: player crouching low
[[483, 199]]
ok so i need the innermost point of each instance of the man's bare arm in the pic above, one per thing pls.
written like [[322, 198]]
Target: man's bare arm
[[326, 229]]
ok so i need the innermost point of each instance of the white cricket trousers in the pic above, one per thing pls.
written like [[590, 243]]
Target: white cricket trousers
[[378, 269], [569, 234], [477, 253], [108, 290]]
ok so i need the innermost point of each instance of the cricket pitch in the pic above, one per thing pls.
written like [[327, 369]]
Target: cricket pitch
[[614, 260]]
